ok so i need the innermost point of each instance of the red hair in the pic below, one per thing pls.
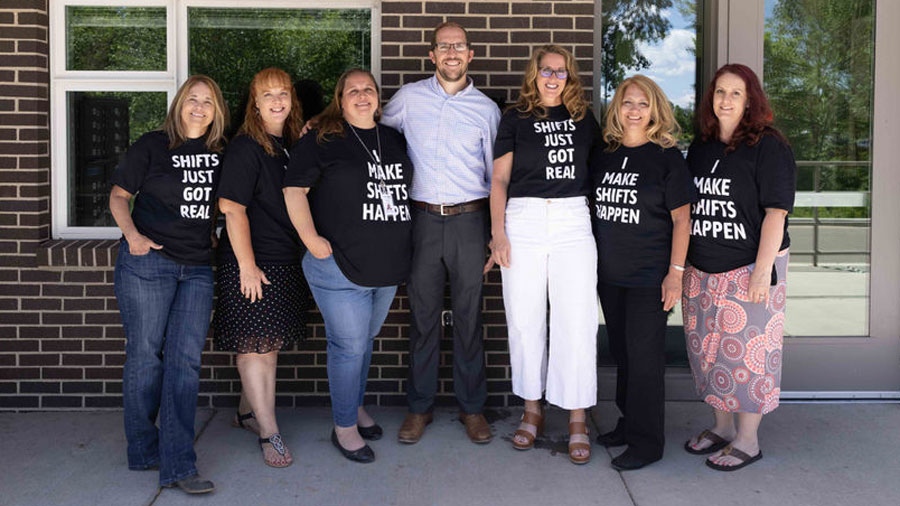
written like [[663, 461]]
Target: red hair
[[253, 125], [757, 119]]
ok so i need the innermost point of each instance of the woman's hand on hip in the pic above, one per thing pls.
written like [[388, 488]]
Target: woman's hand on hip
[[252, 279], [760, 281], [140, 244], [500, 250], [671, 289], [319, 247]]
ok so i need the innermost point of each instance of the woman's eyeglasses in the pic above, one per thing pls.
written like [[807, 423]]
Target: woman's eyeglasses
[[547, 72]]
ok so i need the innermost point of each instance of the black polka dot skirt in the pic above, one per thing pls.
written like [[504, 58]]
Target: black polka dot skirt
[[276, 322]]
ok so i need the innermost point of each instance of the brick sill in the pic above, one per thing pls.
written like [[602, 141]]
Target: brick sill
[[76, 253]]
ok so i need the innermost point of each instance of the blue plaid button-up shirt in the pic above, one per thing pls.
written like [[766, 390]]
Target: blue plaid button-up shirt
[[450, 140]]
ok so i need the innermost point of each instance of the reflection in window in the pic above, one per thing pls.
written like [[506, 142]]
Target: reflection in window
[[231, 45], [659, 39], [819, 61], [101, 127], [116, 38]]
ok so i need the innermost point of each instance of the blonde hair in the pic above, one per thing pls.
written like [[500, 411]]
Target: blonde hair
[[331, 120], [529, 101], [215, 133], [663, 130], [253, 125]]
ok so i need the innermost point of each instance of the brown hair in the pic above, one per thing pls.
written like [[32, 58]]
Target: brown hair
[[331, 120], [757, 119], [663, 130], [253, 125], [215, 133], [447, 24], [529, 101]]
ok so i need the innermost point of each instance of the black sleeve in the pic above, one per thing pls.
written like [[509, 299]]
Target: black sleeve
[[596, 134], [506, 134], [776, 174], [680, 189], [239, 172], [690, 154], [133, 168], [304, 169]]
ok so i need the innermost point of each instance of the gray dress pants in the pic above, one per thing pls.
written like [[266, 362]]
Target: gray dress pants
[[454, 247]]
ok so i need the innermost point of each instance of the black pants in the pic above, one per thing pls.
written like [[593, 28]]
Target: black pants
[[636, 324], [445, 246]]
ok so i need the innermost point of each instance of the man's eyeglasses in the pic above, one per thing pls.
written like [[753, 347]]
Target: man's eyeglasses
[[547, 72], [444, 47]]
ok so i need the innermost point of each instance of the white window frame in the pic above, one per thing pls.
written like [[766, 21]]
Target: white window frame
[[63, 81]]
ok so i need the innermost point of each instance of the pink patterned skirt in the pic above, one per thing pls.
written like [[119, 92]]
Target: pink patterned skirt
[[734, 345]]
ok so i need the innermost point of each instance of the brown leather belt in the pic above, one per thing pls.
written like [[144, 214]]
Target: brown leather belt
[[451, 210]]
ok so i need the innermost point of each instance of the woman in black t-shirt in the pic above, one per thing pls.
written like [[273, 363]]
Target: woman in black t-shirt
[[262, 293], [641, 195], [347, 192], [164, 279], [541, 237], [734, 289]]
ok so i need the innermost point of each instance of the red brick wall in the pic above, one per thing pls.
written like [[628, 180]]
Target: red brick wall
[[61, 342]]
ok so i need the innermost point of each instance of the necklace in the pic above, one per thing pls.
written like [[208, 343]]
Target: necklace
[[363, 144]]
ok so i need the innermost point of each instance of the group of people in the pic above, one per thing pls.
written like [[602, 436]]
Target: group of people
[[359, 199]]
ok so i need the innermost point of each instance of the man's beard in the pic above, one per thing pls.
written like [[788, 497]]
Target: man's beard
[[453, 78]]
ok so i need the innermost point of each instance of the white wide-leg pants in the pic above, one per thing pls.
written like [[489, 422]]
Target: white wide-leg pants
[[552, 252]]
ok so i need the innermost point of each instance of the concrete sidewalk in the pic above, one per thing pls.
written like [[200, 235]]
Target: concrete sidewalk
[[815, 454]]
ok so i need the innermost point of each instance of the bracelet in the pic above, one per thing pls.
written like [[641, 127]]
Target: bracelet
[[679, 268]]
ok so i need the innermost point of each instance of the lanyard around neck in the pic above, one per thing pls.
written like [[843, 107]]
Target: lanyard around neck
[[365, 148]]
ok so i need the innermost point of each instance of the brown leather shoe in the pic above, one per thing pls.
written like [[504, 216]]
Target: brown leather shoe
[[477, 428], [413, 427]]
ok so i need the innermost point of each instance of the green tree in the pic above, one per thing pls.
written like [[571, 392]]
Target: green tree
[[819, 56], [626, 24]]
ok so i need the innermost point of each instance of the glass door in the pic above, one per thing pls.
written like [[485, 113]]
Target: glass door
[[831, 73]]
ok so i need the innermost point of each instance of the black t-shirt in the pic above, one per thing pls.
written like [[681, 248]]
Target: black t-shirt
[[174, 191], [371, 247], [634, 192], [550, 155], [253, 178], [735, 190]]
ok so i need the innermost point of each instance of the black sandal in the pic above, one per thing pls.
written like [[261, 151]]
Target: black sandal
[[718, 442], [239, 419], [277, 444], [731, 451]]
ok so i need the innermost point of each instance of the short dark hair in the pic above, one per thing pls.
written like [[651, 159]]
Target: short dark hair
[[447, 24]]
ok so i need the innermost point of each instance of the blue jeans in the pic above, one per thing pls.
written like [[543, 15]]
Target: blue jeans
[[165, 309], [353, 316]]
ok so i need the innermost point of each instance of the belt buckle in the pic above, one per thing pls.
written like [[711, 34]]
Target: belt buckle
[[442, 210]]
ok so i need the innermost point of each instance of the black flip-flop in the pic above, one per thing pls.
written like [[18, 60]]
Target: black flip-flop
[[745, 459], [718, 442]]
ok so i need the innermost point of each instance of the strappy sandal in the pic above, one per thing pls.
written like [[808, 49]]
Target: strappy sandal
[[718, 442], [278, 445], [239, 419], [731, 451], [531, 427], [579, 440]]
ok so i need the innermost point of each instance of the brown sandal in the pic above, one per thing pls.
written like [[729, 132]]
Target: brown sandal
[[579, 440], [531, 427]]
